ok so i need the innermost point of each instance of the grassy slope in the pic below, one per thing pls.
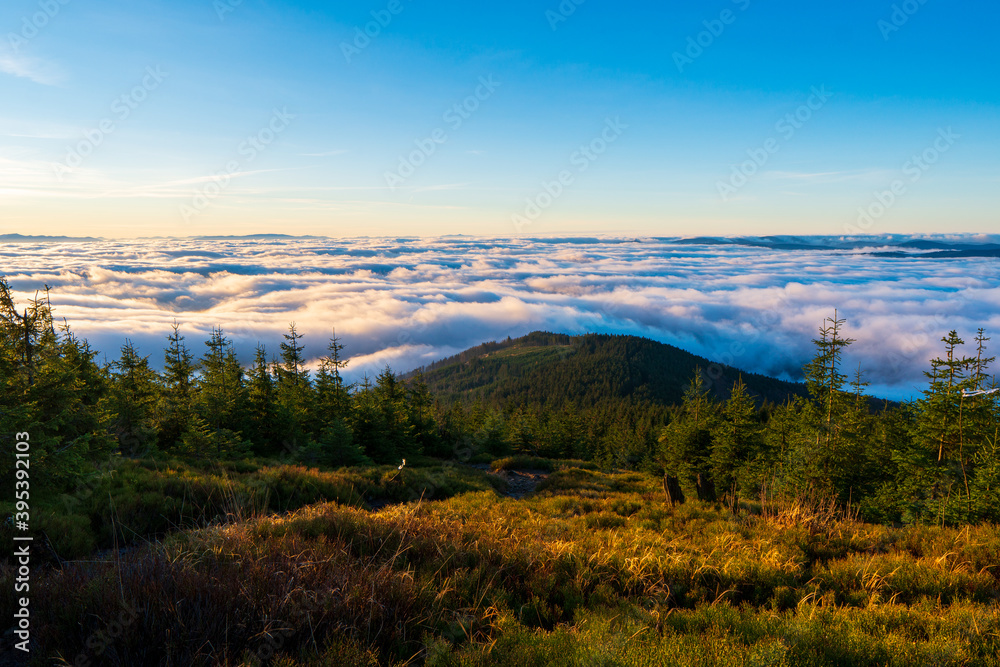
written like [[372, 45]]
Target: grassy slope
[[134, 500], [592, 570]]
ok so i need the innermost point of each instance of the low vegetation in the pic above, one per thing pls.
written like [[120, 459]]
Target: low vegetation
[[593, 569], [523, 462], [136, 500]]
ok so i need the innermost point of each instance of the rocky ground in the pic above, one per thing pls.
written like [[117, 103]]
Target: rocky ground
[[519, 482]]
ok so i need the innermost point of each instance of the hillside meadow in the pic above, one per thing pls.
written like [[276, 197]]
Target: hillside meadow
[[593, 568]]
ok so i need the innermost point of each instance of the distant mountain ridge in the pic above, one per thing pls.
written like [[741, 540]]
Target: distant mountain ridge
[[549, 369], [21, 238], [894, 245], [912, 243]]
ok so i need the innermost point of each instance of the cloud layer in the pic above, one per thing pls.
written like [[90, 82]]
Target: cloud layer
[[407, 302]]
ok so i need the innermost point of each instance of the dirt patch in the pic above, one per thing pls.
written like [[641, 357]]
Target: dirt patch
[[519, 482]]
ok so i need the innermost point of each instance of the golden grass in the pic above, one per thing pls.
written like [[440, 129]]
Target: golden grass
[[591, 570]]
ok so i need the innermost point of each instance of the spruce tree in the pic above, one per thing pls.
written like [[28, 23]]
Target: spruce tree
[[293, 364], [816, 460], [979, 416], [371, 433], [178, 389], [332, 401], [940, 433], [859, 458], [293, 389], [50, 387], [825, 381], [221, 394], [133, 402], [390, 396], [978, 428], [266, 422], [686, 442], [420, 416], [941, 407], [737, 441]]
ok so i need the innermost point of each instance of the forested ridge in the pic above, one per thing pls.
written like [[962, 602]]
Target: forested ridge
[[549, 369], [622, 402]]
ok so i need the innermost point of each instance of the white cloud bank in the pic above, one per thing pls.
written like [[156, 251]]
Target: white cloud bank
[[407, 302]]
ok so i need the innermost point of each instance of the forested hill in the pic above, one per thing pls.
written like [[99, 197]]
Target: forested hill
[[549, 369]]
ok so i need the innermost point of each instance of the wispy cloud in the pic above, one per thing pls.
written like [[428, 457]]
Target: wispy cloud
[[872, 175], [28, 67], [26, 128], [438, 188], [326, 154], [175, 188]]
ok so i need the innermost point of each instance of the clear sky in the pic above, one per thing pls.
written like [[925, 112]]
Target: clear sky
[[117, 117]]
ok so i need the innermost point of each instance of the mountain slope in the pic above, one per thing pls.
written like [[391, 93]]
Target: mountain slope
[[550, 369]]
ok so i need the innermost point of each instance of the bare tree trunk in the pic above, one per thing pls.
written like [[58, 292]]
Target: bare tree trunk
[[705, 488], [672, 490]]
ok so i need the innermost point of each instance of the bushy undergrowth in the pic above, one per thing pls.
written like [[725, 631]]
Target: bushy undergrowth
[[137, 500], [524, 462], [593, 569]]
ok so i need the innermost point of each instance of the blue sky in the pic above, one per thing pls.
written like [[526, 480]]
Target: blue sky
[[136, 118]]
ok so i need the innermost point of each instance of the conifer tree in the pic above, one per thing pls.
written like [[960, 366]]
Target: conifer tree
[[859, 456], [521, 432], [825, 381], [178, 389], [330, 411], [941, 407], [420, 415], [814, 459], [986, 483], [133, 401], [332, 400], [335, 446], [293, 389], [390, 396], [782, 437], [293, 365], [736, 442], [371, 433], [686, 442], [221, 393], [266, 423], [50, 387], [979, 417], [939, 486]]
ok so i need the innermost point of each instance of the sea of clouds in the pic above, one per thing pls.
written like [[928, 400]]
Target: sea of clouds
[[407, 302]]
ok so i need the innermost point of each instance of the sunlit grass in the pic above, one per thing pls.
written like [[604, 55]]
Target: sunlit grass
[[593, 569]]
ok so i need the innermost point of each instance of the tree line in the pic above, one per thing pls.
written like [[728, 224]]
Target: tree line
[[934, 459]]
